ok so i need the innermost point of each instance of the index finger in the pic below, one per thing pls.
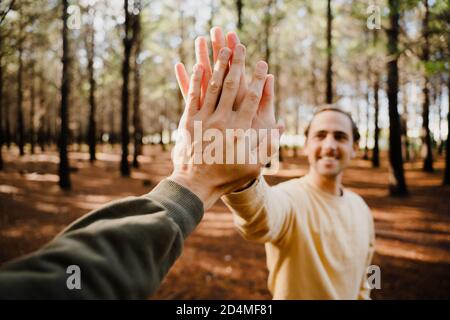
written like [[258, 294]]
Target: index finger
[[202, 57], [231, 82], [217, 41], [254, 93]]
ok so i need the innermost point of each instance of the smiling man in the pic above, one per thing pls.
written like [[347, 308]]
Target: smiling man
[[319, 236]]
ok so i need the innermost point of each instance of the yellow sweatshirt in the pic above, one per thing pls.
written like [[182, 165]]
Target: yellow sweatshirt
[[318, 245]]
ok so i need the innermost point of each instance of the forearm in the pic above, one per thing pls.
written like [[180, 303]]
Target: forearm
[[123, 250], [261, 213]]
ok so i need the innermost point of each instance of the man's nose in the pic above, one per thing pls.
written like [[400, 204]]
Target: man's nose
[[330, 142]]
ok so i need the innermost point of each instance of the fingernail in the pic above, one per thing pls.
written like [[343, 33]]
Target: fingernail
[[199, 39], [262, 66], [239, 49], [232, 35], [215, 33], [224, 53]]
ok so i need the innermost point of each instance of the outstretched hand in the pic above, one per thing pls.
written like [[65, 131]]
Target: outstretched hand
[[218, 41], [265, 116], [209, 161]]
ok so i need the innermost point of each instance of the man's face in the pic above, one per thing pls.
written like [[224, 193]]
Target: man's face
[[329, 144]]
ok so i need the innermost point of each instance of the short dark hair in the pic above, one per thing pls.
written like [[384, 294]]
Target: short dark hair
[[332, 107]]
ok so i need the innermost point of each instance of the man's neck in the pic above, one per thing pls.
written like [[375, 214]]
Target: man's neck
[[332, 185]]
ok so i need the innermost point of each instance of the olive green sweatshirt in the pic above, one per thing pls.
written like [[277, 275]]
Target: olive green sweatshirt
[[123, 250]]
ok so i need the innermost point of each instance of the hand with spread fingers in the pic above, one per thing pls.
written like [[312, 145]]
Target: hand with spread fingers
[[202, 57], [214, 153], [265, 116]]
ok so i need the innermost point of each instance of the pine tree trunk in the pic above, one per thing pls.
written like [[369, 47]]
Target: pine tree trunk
[[7, 139], [404, 123], [32, 107], [376, 148], [277, 73], [127, 43], [1, 107], [92, 136], [428, 161], [239, 6], [397, 183], [20, 126], [329, 72], [42, 121], [447, 143], [137, 127], [64, 172], [366, 147], [441, 141]]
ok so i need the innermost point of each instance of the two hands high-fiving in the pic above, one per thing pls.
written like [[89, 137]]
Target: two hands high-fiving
[[233, 117]]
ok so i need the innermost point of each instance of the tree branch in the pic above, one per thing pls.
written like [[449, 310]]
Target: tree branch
[[3, 14]]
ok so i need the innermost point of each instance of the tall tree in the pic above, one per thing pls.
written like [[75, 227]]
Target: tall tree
[[7, 131], [329, 72], [32, 106], [137, 125], [64, 172], [271, 18], [376, 148], [437, 101], [90, 48], [1, 106], [128, 41], [367, 94], [239, 7], [375, 67], [4, 132], [44, 112], [404, 122], [366, 143], [428, 161], [397, 183], [447, 143], [20, 126]]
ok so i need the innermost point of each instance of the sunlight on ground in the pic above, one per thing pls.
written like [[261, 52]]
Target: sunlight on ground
[[98, 199], [140, 175], [404, 250], [47, 207], [412, 234], [42, 177], [8, 189], [216, 224], [108, 157], [23, 230]]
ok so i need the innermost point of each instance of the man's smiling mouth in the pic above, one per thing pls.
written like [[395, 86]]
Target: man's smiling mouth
[[327, 158]]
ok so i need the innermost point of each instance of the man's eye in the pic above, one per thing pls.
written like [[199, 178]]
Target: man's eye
[[340, 137], [321, 135]]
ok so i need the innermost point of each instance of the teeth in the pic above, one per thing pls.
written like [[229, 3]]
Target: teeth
[[328, 158]]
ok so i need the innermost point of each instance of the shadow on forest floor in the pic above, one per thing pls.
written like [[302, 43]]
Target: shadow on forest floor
[[413, 234]]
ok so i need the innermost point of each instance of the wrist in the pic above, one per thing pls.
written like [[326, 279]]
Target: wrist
[[206, 193]]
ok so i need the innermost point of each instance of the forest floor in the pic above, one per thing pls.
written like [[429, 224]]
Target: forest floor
[[412, 234]]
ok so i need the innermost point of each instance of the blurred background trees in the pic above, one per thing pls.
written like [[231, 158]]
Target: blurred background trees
[[104, 82]]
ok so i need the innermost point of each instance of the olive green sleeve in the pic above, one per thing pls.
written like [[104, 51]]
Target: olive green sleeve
[[123, 250]]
